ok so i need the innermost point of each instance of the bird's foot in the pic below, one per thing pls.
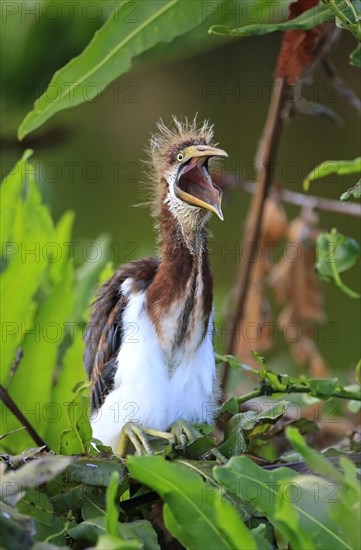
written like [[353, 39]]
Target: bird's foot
[[183, 438], [138, 437]]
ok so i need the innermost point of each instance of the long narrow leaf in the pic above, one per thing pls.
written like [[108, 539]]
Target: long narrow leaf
[[328, 167], [194, 512], [306, 519], [131, 30], [307, 20]]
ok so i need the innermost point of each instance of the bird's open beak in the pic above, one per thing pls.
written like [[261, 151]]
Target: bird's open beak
[[194, 184]]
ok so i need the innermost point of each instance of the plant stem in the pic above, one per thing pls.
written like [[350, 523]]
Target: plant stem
[[14, 366], [354, 28], [350, 5], [12, 406], [264, 160], [269, 390], [338, 281], [249, 396], [341, 285], [292, 197]]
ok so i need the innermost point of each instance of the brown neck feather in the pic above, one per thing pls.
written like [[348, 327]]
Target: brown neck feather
[[183, 279]]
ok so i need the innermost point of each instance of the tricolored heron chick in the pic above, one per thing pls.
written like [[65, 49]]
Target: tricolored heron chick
[[148, 346]]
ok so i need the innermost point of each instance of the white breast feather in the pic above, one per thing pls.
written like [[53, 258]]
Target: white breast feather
[[145, 390]]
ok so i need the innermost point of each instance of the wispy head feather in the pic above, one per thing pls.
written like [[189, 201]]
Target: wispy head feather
[[164, 146], [170, 138]]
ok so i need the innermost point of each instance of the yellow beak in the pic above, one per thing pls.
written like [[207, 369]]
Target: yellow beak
[[210, 196], [202, 151]]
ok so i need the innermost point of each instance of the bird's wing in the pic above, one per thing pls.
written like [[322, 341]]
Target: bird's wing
[[104, 333]]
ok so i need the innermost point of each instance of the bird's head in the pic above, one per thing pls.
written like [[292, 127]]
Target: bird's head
[[180, 157]]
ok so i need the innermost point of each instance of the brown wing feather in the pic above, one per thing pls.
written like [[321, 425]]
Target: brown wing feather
[[104, 333]]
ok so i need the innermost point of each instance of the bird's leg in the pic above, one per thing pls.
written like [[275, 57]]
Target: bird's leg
[[133, 433], [182, 434], [137, 435]]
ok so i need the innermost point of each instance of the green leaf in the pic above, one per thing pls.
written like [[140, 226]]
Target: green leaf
[[347, 15], [71, 373], [10, 191], [231, 406], [205, 469], [235, 442], [235, 438], [34, 375], [112, 511], [31, 230], [344, 507], [355, 57], [268, 416], [89, 530], [194, 512], [32, 474], [288, 517], [16, 529], [122, 536], [307, 20], [110, 542], [328, 167], [323, 388], [314, 460], [358, 372], [336, 253], [306, 520], [200, 446], [37, 505], [260, 535], [143, 531], [95, 471], [77, 440], [234, 362], [131, 30], [136, 534], [335, 249], [86, 278], [63, 233]]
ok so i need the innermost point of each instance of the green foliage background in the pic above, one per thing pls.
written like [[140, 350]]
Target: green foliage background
[[58, 500]]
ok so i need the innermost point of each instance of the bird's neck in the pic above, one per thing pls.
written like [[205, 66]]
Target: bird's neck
[[180, 296]]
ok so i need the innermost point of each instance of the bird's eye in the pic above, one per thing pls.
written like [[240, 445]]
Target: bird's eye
[[180, 157]]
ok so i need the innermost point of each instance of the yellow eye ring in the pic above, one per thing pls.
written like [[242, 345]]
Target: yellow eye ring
[[180, 157]]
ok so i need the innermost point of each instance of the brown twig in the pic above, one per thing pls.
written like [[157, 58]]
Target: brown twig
[[299, 199], [12, 406], [340, 86], [300, 53], [14, 366], [265, 160]]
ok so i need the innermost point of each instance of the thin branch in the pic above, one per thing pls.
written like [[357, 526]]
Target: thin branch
[[328, 205], [299, 199], [12, 406], [14, 366], [340, 86], [267, 389], [264, 159], [303, 468]]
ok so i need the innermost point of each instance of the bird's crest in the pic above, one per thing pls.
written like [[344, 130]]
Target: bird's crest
[[182, 131], [164, 144]]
